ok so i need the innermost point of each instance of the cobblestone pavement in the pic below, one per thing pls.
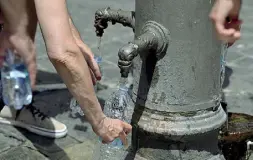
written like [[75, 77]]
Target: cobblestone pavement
[[78, 145]]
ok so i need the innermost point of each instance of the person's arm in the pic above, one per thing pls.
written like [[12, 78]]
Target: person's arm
[[72, 67], [223, 10], [67, 57]]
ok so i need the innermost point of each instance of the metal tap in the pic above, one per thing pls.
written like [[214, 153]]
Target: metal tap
[[154, 38], [103, 16]]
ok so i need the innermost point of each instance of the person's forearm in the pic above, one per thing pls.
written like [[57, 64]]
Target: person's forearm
[[74, 72], [67, 57]]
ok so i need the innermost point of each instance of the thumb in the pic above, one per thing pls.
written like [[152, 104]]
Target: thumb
[[127, 127]]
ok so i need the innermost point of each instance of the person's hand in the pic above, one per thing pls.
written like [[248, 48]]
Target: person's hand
[[109, 129], [89, 57], [23, 46], [18, 34], [224, 15]]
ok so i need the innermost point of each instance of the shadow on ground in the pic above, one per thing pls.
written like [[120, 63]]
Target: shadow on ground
[[228, 73], [47, 78]]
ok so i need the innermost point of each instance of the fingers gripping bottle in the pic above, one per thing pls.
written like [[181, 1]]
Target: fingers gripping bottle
[[16, 87]]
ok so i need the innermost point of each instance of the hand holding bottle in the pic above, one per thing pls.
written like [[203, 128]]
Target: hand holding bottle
[[110, 129]]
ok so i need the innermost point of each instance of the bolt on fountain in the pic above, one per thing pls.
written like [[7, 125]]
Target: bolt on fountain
[[175, 59]]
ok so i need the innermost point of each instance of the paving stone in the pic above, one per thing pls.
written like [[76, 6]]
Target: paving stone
[[22, 153], [11, 137], [6, 143], [52, 148], [80, 151]]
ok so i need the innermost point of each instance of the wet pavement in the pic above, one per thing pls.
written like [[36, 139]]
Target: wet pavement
[[78, 145]]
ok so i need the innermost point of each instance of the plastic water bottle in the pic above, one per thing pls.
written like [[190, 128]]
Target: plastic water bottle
[[75, 107], [16, 87], [116, 107]]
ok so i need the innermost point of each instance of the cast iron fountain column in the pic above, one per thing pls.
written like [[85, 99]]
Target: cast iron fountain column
[[176, 70]]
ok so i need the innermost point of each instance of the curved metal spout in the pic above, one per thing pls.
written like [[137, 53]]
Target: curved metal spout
[[154, 37], [103, 16], [128, 52]]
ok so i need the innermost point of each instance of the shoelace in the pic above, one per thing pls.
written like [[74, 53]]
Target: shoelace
[[36, 111]]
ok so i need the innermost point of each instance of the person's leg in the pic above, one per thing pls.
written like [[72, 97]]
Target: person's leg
[[23, 30]]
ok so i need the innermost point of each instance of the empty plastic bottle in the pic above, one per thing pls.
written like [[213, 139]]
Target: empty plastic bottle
[[75, 107], [16, 87], [116, 107]]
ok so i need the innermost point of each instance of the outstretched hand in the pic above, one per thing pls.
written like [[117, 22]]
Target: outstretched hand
[[225, 14]]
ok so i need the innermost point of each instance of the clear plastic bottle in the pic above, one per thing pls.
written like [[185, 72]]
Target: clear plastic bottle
[[116, 107], [75, 107], [16, 87]]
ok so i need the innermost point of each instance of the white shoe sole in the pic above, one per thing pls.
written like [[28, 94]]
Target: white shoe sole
[[37, 130]]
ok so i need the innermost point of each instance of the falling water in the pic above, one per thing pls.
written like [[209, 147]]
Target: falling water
[[99, 43], [98, 59]]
